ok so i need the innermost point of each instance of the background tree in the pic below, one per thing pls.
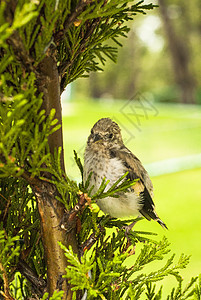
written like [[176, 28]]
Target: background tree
[[180, 54], [119, 79], [164, 62], [43, 47]]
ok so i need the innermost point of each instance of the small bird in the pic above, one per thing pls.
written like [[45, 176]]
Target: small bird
[[106, 156]]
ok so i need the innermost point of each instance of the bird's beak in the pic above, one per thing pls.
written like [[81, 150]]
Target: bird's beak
[[97, 138]]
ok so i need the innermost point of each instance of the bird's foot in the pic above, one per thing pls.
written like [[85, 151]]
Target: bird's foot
[[127, 229], [130, 227]]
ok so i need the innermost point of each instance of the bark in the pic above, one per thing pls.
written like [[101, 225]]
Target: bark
[[180, 57], [50, 209], [48, 83]]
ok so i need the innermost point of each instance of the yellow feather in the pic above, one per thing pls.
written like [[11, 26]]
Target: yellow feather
[[138, 187]]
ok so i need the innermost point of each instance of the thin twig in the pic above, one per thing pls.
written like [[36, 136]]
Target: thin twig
[[68, 221], [39, 284], [70, 19], [20, 52], [6, 293]]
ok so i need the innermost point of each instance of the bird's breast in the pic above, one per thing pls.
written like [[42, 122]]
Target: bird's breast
[[102, 166]]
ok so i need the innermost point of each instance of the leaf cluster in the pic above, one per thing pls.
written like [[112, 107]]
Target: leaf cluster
[[74, 32], [113, 263], [25, 154], [104, 272], [24, 131], [20, 226], [9, 251], [85, 43]]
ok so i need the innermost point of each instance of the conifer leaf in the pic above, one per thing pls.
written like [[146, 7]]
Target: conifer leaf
[[76, 36]]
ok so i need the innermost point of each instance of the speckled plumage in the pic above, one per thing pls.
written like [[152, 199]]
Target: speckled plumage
[[107, 156]]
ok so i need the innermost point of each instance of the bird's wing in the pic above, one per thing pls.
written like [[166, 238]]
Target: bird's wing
[[135, 168], [143, 187]]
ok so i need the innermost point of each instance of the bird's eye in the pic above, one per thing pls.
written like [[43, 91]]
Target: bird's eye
[[110, 136], [92, 132]]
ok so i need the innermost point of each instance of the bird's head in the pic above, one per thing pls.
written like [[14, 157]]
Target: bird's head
[[105, 133]]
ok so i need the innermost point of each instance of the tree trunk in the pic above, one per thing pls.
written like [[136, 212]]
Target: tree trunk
[[51, 210], [95, 87], [180, 58]]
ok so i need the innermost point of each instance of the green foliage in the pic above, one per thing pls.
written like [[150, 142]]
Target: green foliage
[[113, 263], [72, 33], [197, 292], [85, 42], [24, 149], [105, 274], [67, 188], [21, 139], [77, 32], [137, 66], [23, 15], [19, 221], [56, 296], [9, 251]]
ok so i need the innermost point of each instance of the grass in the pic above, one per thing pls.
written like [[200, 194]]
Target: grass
[[174, 132], [160, 132], [177, 199]]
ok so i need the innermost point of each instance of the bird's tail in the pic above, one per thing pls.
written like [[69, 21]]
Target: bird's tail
[[148, 209], [161, 223]]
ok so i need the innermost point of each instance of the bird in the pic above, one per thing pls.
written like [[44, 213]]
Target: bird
[[107, 157]]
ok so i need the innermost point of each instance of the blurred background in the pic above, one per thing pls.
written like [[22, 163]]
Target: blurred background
[[154, 93], [161, 56]]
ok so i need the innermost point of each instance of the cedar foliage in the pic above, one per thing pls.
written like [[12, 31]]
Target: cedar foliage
[[43, 47]]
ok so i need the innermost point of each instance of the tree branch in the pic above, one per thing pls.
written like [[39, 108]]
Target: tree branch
[[48, 83], [60, 35], [6, 292], [50, 214], [32, 180], [50, 209], [38, 284], [83, 43], [20, 52]]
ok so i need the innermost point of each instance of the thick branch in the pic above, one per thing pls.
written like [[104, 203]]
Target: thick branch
[[48, 84], [51, 233], [50, 209]]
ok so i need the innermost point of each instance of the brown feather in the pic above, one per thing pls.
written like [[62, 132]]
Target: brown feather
[[138, 187], [134, 167]]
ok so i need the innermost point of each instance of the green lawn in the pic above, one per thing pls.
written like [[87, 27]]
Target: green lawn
[[177, 198], [162, 132], [174, 132]]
